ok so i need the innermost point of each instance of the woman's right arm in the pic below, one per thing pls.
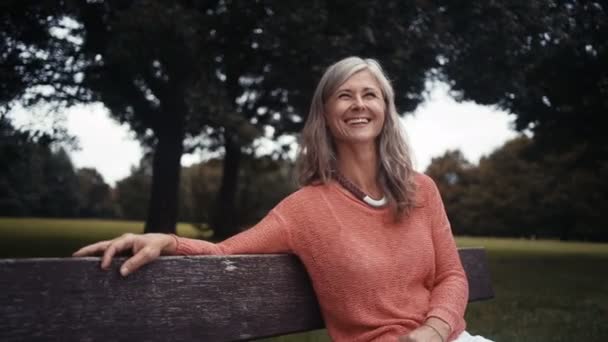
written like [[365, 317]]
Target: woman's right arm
[[268, 236]]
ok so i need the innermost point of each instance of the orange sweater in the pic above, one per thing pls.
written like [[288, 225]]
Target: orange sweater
[[375, 280]]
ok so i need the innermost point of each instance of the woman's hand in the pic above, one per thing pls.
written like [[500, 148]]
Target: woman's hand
[[145, 248], [424, 333], [421, 334]]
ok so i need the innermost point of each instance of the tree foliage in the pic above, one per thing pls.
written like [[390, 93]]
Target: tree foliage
[[215, 74], [265, 181], [132, 193], [225, 69], [513, 193], [545, 61], [37, 177], [95, 196]]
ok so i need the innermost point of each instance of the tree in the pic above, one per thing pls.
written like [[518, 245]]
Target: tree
[[133, 192], [95, 195], [257, 61], [33, 56], [511, 185], [265, 181], [455, 176], [59, 195], [174, 70], [513, 192], [14, 173], [199, 188], [545, 61], [37, 177]]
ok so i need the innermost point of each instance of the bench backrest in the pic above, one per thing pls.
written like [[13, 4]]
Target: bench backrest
[[202, 298]]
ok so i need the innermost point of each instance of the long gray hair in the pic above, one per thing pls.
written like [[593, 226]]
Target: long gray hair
[[317, 154]]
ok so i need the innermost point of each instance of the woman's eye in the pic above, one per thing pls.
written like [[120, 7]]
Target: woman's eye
[[343, 96], [370, 95]]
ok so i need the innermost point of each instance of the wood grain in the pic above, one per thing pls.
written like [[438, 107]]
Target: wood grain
[[202, 298]]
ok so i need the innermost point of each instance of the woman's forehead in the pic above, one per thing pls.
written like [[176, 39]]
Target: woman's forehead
[[361, 80]]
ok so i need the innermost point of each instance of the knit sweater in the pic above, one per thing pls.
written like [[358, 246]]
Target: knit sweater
[[375, 279]]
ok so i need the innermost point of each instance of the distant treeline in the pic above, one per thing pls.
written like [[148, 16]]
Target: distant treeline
[[515, 191], [520, 191], [38, 179]]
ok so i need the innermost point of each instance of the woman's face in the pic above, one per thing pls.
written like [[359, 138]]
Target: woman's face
[[355, 111]]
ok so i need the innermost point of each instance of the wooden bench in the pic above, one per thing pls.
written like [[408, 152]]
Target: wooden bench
[[202, 298]]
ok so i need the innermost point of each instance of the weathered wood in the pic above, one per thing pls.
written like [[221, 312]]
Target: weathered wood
[[203, 298], [475, 263]]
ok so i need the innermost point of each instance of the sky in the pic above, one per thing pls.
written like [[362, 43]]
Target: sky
[[439, 124]]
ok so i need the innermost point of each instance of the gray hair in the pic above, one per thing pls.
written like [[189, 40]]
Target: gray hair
[[317, 153]]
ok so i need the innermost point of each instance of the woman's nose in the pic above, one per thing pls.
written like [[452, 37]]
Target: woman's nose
[[358, 102]]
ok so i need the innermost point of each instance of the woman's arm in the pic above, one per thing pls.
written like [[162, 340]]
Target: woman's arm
[[450, 293], [271, 235]]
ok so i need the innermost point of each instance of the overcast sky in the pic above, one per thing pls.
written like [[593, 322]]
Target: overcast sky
[[437, 125]]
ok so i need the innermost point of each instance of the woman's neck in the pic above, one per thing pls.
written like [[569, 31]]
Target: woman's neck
[[359, 164]]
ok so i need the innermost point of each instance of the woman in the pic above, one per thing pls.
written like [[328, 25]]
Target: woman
[[372, 233]]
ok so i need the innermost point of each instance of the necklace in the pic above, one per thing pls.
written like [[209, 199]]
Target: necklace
[[348, 185]]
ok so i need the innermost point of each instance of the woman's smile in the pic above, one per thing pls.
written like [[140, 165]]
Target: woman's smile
[[357, 121], [355, 111]]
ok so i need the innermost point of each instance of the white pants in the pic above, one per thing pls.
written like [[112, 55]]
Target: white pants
[[466, 337]]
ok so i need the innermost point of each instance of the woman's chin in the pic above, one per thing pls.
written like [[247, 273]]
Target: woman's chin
[[359, 139]]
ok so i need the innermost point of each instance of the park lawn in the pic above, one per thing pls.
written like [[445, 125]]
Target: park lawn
[[39, 237], [545, 290]]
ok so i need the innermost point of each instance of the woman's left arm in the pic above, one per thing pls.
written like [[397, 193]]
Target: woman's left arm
[[450, 293]]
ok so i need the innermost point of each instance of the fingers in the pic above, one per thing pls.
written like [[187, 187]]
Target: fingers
[[116, 246], [144, 256], [144, 249], [93, 249]]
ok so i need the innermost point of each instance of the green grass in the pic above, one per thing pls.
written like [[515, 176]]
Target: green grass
[[36, 237], [545, 290]]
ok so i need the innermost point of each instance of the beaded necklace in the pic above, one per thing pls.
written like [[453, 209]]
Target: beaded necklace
[[350, 186]]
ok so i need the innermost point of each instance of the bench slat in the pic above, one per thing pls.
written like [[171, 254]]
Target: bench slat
[[202, 298]]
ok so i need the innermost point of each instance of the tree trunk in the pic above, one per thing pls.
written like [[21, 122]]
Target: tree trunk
[[166, 167], [225, 219]]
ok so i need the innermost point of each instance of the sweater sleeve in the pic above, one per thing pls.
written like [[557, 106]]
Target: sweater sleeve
[[269, 236], [450, 293]]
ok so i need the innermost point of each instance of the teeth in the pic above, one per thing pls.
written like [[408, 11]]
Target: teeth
[[357, 121]]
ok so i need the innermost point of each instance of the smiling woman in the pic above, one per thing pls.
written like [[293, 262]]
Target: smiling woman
[[383, 270], [355, 111], [348, 93]]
